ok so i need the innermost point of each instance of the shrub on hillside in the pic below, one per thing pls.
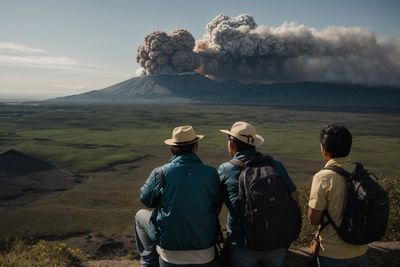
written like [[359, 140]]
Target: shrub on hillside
[[41, 254], [392, 187]]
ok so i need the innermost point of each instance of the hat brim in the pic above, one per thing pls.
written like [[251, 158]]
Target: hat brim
[[258, 140], [172, 142]]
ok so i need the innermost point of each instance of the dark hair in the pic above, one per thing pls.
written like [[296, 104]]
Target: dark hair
[[240, 144], [179, 150], [336, 140]]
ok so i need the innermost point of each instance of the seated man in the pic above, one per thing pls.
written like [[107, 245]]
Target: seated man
[[242, 143], [185, 195]]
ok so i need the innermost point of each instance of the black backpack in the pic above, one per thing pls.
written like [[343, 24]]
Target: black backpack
[[366, 213], [271, 218]]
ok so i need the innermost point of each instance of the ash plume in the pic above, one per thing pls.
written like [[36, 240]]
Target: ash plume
[[167, 53], [237, 48]]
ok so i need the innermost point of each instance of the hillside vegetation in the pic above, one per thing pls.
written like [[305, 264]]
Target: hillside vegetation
[[41, 254]]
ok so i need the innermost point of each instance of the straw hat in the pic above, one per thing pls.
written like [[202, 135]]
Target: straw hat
[[245, 132], [183, 135]]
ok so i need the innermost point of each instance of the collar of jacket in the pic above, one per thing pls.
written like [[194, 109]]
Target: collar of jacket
[[245, 155], [185, 158]]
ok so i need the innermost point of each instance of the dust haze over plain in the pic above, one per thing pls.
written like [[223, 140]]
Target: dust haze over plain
[[239, 49]]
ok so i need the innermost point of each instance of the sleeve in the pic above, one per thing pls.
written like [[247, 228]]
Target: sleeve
[[150, 191], [317, 195], [229, 188], [221, 196], [282, 171], [223, 189]]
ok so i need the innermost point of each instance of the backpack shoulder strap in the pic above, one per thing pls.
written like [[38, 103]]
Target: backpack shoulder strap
[[347, 176], [360, 168], [340, 171], [238, 163], [330, 221]]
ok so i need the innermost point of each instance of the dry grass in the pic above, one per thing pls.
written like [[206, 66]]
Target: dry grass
[[41, 254]]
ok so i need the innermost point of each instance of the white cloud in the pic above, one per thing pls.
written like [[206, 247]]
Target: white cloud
[[14, 47], [46, 62], [18, 55]]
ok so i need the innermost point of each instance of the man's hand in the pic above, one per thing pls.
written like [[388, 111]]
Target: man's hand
[[315, 216], [295, 195]]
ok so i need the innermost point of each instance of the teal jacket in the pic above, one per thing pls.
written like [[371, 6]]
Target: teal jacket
[[186, 205], [229, 175]]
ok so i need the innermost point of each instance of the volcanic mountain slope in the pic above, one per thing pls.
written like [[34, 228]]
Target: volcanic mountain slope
[[172, 87], [192, 87], [23, 178]]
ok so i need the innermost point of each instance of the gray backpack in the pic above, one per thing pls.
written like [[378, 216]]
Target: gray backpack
[[366, 214], [271, 218]]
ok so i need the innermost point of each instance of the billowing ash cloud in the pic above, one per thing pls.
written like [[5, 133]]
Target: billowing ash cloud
[[163, 53], [236, 48]]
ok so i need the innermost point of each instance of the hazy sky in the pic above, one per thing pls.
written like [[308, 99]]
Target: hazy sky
[[61, 47]]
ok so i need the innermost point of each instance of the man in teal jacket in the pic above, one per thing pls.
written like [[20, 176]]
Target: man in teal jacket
[[185, 196], [242, 143]]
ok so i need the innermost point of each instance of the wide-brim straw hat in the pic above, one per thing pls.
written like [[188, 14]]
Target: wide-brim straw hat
[[183, 135], [246, 133]]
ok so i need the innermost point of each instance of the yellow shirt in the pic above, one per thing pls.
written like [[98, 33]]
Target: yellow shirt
[[329, 191]]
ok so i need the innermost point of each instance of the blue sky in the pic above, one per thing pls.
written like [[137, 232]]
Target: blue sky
[[61, 47]]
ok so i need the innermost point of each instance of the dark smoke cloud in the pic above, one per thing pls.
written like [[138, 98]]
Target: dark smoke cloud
[[163, 53], [236, 48]]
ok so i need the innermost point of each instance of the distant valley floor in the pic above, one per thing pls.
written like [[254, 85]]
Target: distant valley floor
[[116, 146]]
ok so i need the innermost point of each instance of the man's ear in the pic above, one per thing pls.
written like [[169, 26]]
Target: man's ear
[[195, 148], [233, 146], [325, 153]]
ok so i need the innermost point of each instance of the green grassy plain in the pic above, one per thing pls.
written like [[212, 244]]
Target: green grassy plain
[[118, 145]]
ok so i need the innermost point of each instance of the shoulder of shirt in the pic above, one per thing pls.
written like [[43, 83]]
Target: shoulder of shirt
[[226, 165], [226, 168], [209, 168], [164, 167], [324, 174]]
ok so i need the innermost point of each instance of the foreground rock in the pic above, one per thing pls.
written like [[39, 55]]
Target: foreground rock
[[103, 247], [380, 254]]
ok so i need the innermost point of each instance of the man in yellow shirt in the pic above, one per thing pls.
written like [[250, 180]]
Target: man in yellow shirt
[[329, 193]]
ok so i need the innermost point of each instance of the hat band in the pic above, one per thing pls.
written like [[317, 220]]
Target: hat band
[[250, 138], [186, 142]]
